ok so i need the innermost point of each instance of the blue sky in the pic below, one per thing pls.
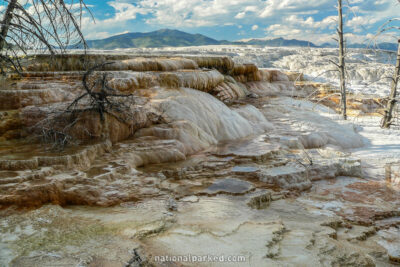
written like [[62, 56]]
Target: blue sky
[[313, 20]]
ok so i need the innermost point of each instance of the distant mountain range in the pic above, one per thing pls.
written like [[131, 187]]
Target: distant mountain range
[[161, 38], [277, 42], [175, 38]]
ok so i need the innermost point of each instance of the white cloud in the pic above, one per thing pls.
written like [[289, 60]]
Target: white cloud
[[125, 11], [285, 18], [248, 9], [240, 15], [360, 23], [273, 7], [283, 30], [328, 22], [197, 13], [251, 9]]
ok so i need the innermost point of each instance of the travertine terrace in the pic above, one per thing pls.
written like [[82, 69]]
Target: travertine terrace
[[211, 152]]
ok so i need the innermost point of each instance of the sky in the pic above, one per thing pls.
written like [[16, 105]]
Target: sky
[[311, 20]]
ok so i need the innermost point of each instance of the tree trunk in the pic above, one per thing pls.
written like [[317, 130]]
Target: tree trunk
[[5, 24], [342, 66], [387, 120]]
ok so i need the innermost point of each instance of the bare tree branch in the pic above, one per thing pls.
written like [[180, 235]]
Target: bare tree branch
[[40, 26]]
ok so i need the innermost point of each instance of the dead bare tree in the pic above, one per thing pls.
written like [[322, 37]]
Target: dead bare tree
[[39, 26], [98, 99], [341, 66], [99, 96], [388, 118]]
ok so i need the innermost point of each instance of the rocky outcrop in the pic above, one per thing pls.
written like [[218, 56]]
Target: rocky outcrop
[[24, 157]]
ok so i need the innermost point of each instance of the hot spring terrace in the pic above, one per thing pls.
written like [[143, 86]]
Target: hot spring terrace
[[208, 151]]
